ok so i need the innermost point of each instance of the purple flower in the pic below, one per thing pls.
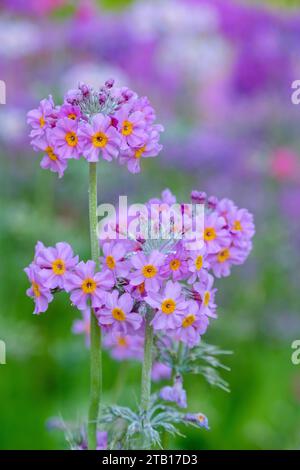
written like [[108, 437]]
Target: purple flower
[[65, 137], [151, 148], [41, 118], [197, 418], [117, 313], [101, 439], [241, 225], [215, 234], [205, 295], [55, 264], [124, 346], [99, 136], [170, 305], [176, 265], [222, 261], [147, 270], [41, 295], [160, 371], [175, 394], [198, 265], [193, 325], [70, 111], [86, 285], [113, 259], [51, 160], [132, 127], [198, 197]]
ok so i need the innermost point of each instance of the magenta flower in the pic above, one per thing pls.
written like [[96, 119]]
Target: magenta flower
[[51, 160], [99, 136], [41, 295], [132, 127], [86, 285], [205, 295], [175, 394], [197, 418], [65, 138], [124, 346], [114, 258], [151, 148], [55, 264], [198, 265], [193, 325], [170, 306], [117, 313], [176, 265], [215, 234], [41, 118], [225, 207], [147, 270]]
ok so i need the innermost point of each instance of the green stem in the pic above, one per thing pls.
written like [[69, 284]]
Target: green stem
[[146, 371], [95, 351]]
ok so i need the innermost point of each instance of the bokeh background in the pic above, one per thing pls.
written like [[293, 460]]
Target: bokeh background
[[219, 73]]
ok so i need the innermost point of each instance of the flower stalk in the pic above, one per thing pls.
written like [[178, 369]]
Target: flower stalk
[[95, 351], [146, 371]]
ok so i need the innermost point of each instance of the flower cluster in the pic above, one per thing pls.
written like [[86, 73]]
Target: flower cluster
[[109, 123], [172, 281]]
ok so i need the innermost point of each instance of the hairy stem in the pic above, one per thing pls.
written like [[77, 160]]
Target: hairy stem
[[146, 372], [95, 351]]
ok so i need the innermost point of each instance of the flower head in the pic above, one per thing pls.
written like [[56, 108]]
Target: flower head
[[175, 394], [42, 295], [147, 270], [117, 313], [170, 305], [99, 137]]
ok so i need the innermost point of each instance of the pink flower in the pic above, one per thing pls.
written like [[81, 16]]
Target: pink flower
[[147, 270], [65, 138], [215, 234], [41, 118], [99, 136], [69, 111], [114, 258], [175, 394], [241, 226], [169, 305], [41, 295], [55, 264], [132, 127], [176, 265], [193, 325], [205, 295], [222, 261], [51, 160], [160, 371], [117, 313], [86, 285], [198, 265]]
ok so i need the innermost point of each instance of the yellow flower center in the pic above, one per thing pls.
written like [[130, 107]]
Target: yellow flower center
[[209, 234], [59, 267], [122, 342], [99, 139], [71, 139], [139, 152], [149, 271], [175, 264], [168, 306], [72, 116], [199, 262], [42, 121], [237, 226], [188, 320], [49, 151], [36, 289], [127, 128], [223, 255], [206, 298], [201, 418], [88, 286], [110, 262], [118, 314]]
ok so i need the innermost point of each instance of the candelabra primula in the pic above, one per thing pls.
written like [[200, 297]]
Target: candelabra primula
[[153, 299]]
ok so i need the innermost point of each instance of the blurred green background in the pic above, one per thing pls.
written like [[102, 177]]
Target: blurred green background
[[47, 370]]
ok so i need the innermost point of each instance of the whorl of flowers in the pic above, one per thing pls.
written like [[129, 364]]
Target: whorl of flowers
[[109, 123], [176, 283]]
